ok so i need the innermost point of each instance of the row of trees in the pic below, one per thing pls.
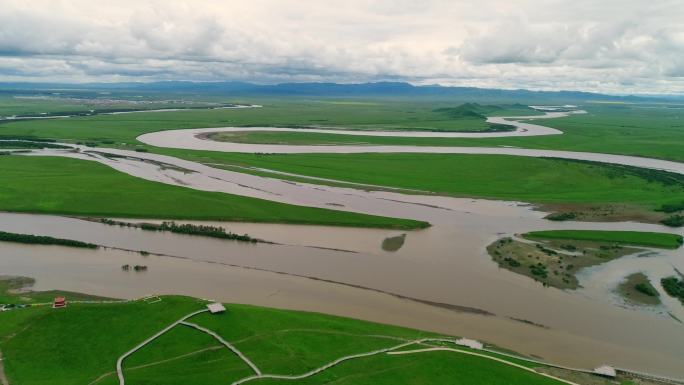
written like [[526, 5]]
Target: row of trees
[[187, 228]]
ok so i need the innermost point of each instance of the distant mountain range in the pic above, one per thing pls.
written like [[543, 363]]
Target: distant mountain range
[[379, 89]]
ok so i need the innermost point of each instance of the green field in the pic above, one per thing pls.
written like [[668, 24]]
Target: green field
[[554, 262], [77, 187], [651, 131], [643, 130], [637, 238], [596, 192], [89, 102], [536, 180], [360, 115], [638, 289], [80, 345]]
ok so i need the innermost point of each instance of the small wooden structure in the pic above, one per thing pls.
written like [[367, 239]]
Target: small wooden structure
[[216, 308], [59, 302]]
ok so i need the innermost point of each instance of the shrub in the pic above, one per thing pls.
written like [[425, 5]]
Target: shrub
[[561, 216], [673, 221], [674, 287], [646, 289], [672, 207]]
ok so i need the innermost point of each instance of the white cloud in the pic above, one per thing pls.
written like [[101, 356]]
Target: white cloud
[[609, 46]]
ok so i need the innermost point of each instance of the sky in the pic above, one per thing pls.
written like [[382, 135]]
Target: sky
[[625, 46]]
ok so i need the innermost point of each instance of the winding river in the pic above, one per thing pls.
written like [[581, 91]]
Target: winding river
[[441, 279]]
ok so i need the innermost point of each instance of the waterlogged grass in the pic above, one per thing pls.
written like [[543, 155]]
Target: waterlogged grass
[[554, 262], [637, 238], [14, 291], [638, 289], [76, 187]]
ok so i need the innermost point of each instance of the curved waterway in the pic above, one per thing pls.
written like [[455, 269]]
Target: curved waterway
[[196, 138], [441, 279]]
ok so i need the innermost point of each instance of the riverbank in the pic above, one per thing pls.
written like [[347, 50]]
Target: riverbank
[[358, 283], [185, 349]]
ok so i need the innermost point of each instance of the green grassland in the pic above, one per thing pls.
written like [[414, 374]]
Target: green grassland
[[536, 180], [654, 131], [648, 130], [126, 127], [81, 343], [77, 187], [637, 238], [87, 102]]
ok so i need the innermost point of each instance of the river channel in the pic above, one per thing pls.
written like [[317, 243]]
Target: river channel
[[441, 279]]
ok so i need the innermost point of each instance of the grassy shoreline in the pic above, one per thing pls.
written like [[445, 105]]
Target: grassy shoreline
[[37, 342]]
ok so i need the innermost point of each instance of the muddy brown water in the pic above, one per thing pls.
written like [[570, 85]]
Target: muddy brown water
[[443, 264]]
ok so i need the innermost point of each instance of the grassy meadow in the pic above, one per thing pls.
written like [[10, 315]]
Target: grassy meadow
[[53, 185], [125, 128], [536, 180], [654, 130]]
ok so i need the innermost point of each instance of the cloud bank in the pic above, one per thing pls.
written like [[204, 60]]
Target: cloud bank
[[626, 46]]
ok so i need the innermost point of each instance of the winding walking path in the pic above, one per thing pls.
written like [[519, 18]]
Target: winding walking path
[[259, 375], [445, 349], [393, 350], [119, 362]]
